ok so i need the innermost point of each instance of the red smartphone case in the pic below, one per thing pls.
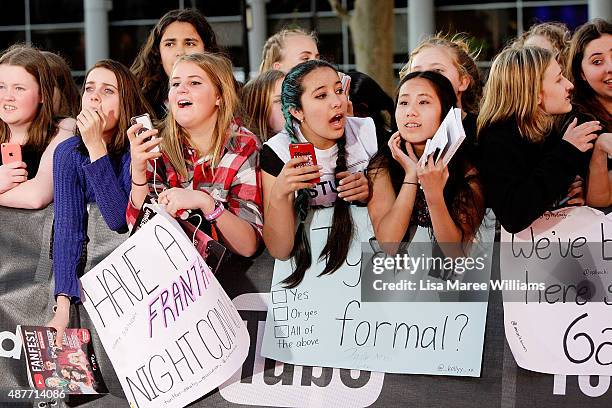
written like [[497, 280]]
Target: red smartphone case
[[304, 149]]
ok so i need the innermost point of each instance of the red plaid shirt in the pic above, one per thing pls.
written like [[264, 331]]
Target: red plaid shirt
[[235, 181]]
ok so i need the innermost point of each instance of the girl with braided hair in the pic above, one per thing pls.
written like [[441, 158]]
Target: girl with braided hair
[[315, 110]]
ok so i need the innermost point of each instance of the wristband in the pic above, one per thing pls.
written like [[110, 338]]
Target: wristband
[[214, 214]]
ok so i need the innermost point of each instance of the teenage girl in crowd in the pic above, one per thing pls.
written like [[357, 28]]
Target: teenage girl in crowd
[[315, 109], [66, 98], [527, 166], [93, 167], [287, 48], [447, 200], [551, 36], [27, 119], [589, 66], [451, 57], [370, 101], [177, 33], [207, 161], [261, 104]]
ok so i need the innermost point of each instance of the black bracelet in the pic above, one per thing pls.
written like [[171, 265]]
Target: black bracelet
[[140, 185], [410, 182]]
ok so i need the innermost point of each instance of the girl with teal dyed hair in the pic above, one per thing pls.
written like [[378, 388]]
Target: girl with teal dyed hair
[[315, 110]]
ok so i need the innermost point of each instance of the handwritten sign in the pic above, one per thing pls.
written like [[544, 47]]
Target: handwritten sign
[[323, 322], [560, 322], [168, 327]]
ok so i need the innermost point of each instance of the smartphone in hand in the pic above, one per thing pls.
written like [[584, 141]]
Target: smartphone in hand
[[145, 121], [11, 152], [304, 149]]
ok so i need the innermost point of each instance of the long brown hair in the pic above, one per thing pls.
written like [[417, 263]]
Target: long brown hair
[[70, 101], [148, 67], [43, 126], [584, 96], [219, 70], [256, 96], [131, 102]]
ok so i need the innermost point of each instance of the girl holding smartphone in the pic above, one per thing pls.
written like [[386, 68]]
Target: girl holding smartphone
[[207, 161], [315, 109]]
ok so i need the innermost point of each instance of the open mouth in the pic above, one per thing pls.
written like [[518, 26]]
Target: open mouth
[[608, 81], [412, 125], [184, 103], [9, 107], [336, 119]]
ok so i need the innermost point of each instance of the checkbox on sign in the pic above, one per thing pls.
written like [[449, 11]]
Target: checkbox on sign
[[279, 296], [281, 332], [281, 313]]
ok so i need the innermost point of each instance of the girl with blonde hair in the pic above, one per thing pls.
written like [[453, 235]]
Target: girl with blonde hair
[[287, 48], [529, 167], [207, 162]]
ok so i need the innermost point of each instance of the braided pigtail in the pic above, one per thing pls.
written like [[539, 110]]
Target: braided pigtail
[[339, 239]]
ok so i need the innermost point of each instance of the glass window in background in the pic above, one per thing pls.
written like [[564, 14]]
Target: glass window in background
[[141, 9], [216, 8], [490, 29], [55, 11], [69, 43], [572, 16], [8, 38], [125, 42], [13, 12]]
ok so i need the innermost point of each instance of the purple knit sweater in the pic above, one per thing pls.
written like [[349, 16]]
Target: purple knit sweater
[[77, 182]]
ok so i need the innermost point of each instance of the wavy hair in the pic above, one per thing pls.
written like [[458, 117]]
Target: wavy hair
[[148, 67], [338, 241], [515, 81]]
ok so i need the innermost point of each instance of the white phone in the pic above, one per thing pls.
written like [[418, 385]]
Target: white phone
[[145, 121]]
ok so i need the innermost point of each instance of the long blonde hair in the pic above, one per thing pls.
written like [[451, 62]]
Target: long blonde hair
[[515, 81], [256, 96], [43, 126], [464, 61], [219, 71], [273, 48]]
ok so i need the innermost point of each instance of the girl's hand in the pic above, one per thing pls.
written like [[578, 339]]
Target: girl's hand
[[433, 178], [91, 123], [581, 136], [11, 175], [294, 177], [576, 192], [353, 187], [139, 151], [604, 143], [176, 199], [407, 161], [60, 320]]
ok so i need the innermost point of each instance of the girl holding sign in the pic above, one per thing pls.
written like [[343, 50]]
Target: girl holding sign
[[29, 128], [207, 162], [446, 199], [315, 109], [527, 165], [589, 66], [93, 167]]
